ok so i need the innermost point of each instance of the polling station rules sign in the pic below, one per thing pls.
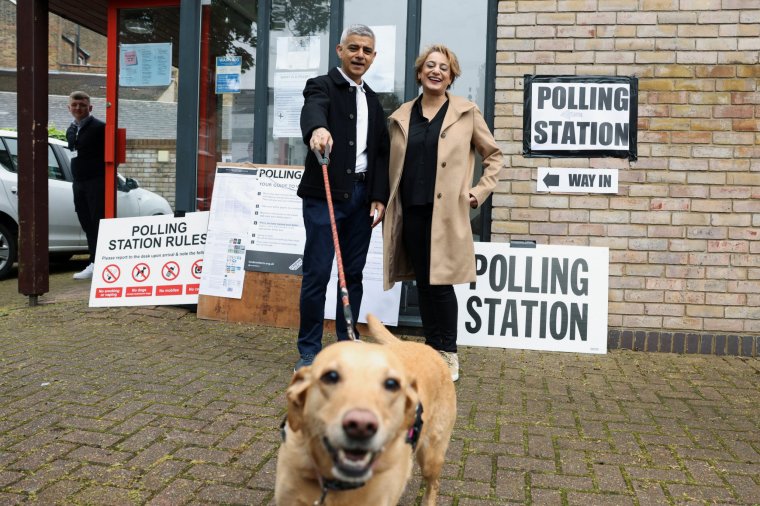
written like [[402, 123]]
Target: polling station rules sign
[[580, 116], [550, 298]]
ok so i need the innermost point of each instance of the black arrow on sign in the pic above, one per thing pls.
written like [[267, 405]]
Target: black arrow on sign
[[551, 180]]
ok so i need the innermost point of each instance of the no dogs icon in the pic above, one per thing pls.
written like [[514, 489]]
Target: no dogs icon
[[140, 272]]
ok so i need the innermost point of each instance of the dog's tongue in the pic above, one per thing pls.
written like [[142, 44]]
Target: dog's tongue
[[355, 455]]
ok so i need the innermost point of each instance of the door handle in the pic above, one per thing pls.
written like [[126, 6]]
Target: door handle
[[14, 190]]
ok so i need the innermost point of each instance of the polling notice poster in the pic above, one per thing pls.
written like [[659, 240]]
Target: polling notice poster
[[549, 298], [149, 260], [142, 65], [276, 235], [229, 223], [580, 116]]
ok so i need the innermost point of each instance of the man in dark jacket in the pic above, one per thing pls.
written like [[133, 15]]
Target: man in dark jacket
[[87, 139], [342, 114]]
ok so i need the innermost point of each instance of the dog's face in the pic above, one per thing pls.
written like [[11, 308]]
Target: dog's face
[[353, 401]]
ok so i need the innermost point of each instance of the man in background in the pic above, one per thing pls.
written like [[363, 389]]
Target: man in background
[[87, 139]]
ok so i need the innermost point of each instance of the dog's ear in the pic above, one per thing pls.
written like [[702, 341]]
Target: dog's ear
[[296, 396]]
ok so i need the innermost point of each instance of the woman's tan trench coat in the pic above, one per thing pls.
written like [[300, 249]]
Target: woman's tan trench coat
[[452, 255]]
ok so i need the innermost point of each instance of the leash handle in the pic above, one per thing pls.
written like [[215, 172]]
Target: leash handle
[[347, 313], [323, 159]]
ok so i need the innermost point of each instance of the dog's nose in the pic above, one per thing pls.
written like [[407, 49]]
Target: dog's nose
[[360, 424]]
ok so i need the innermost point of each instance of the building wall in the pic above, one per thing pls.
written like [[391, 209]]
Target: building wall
[[684, 228], [60, 52], [142, 164]]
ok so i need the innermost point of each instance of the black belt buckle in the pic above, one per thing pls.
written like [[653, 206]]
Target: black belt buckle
[[360, 176]]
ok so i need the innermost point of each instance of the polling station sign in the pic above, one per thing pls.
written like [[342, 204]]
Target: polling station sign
[[580, 116], [149, 261], [549, 298]]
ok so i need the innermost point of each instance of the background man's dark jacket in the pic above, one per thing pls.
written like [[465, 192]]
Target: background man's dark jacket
[[90, 146], [330, 102]]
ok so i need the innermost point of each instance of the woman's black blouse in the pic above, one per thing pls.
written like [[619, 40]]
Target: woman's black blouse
[[418, 177]]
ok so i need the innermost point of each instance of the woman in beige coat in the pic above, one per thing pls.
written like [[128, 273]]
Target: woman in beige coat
[[426, 232]]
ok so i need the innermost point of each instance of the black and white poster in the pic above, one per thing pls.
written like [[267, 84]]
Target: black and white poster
[[547, 297], [580, 116]]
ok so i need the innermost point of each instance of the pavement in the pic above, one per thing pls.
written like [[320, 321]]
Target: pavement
[[150, 405]]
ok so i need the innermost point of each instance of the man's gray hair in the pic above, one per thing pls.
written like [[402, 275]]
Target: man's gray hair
[[360, 30]]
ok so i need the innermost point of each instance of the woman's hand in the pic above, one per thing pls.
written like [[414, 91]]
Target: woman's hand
[[473, 201], [376, 212]]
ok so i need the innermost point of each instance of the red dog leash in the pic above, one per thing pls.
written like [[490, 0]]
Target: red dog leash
[[347, 314]]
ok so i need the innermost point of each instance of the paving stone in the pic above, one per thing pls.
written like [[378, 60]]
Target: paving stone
[[231, 495], [173, 410], [178, 492], [60, 492]]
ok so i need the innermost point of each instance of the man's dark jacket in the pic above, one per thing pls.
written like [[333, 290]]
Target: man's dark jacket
[[330, 102], [90, 146]]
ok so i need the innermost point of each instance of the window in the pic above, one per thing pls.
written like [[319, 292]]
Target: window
[[12, 146], [9, 159], [5, 158], [388, 20], [299, 48], [54, 167]]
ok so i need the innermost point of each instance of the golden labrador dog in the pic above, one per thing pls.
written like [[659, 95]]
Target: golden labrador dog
[[353, 423]]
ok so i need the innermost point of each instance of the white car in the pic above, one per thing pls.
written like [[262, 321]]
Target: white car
[[66, 236]]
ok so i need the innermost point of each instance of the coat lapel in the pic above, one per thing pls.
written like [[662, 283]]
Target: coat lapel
[[457, 107], [401, 116]]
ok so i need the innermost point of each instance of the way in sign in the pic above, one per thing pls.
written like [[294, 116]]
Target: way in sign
[[587, 180], [577, 180]]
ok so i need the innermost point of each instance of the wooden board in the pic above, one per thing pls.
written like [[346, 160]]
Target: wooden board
[[268, 299]]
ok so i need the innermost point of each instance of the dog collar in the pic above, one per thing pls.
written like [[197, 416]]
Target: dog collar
[[335, 486], [414, 431]]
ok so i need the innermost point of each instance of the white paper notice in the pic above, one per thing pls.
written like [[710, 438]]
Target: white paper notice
[[145, 64], [277, 236], [288, 101], [384, 305], [382, 74], [297, 53], [230, 221], [278, 218]]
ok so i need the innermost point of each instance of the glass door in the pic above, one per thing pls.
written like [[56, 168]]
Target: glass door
[[229, 38], [141, 94]]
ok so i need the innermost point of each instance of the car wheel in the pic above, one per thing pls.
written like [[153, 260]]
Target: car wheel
[[8, 251]]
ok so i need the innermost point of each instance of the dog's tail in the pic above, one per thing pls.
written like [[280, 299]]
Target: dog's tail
[[379, 332]]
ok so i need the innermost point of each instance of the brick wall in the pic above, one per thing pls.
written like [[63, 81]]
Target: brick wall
[[142, 164], [60, 52], [684, 229]]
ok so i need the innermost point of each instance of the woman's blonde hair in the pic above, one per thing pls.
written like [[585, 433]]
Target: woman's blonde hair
[[437, 48]]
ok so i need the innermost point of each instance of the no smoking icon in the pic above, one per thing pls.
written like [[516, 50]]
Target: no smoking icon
[[170, 271], [111, 273], [140, 272]]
